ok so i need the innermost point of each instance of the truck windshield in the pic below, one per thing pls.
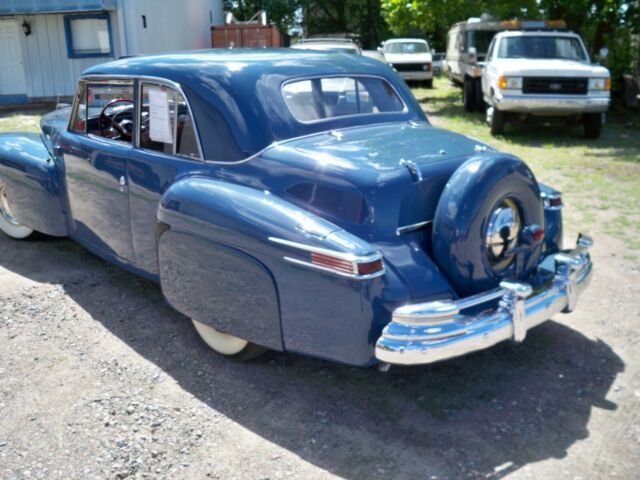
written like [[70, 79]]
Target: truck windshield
[[406, 47], [480, 39], [543, 47]]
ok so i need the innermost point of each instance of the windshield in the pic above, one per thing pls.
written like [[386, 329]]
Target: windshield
[[327, 48], [543, 47], [480, 40], [406, 47]]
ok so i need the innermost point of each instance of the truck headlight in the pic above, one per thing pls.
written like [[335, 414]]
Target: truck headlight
[[509, 83], [599, 84], [427, 67]]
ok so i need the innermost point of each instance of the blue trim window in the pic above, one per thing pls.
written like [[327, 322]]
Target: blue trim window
[[88, 35]]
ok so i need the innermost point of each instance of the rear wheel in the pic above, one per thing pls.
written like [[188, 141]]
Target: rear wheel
[[8, 224], [227, 345], [592, 125]]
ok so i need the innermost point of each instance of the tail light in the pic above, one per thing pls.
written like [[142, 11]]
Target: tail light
[[341, 265]]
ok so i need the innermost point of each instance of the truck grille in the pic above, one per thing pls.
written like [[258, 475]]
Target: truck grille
[[555, 85], [409, 67]]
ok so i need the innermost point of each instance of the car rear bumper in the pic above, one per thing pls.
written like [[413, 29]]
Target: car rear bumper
[[433, 331], [417, 75], [545, 104]]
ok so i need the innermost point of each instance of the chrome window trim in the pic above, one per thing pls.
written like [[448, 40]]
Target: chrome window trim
[[405, 108], [76, 101], [99, 78], [74, 107]]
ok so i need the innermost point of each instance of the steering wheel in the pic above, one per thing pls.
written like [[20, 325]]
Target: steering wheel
[[117, 126]]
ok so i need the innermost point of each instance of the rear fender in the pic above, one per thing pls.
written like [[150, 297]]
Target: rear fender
[[32, 181], [219, 264]]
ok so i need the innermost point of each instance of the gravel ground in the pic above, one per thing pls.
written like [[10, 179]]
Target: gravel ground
[[99, 378]]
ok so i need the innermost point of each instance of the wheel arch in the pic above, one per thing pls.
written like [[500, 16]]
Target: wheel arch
[[33, 183]]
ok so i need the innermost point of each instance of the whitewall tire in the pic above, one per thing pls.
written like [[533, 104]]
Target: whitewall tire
[[8, 223], [227, 345]]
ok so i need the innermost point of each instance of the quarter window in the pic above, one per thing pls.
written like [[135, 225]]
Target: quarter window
[[331, 97], [165, 122]]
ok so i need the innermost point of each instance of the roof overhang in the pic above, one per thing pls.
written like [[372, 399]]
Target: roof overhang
[[30, 7]]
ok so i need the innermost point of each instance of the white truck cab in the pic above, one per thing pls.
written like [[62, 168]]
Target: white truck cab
[[543, 73], [411, 58]]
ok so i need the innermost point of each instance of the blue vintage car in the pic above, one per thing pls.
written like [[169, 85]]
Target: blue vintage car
[[296, 201]]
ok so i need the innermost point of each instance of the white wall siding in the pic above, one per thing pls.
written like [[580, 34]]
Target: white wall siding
[[171, 25], [48, 70]]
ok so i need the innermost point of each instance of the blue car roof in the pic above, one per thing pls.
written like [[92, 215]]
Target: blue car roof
[[235, 94]]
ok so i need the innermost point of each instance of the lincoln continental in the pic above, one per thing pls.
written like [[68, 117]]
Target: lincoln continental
[[296, 201]]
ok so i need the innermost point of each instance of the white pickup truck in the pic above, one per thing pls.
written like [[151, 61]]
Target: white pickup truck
[[543, 73], [411, 58]]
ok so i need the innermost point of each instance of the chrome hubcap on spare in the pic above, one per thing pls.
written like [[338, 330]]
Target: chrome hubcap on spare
[[502, 234], [5, 209]]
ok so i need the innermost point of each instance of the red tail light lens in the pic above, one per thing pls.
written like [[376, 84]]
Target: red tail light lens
[[555, 202], [537, 234], [370, 267]]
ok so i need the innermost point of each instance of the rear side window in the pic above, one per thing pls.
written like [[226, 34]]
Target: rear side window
[[324, 98], [166, 124]]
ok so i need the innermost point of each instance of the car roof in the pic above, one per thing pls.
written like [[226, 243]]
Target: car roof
[[398, 40], [235, 93], [537, 33]]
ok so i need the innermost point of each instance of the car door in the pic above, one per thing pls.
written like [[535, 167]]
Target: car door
[[167, 146], [96, 151]]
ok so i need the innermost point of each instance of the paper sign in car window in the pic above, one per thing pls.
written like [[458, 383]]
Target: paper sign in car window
[[159, 125]]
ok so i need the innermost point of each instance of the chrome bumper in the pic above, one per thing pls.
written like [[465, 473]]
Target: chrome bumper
[[417, 75], [433, 331], [547, 104]]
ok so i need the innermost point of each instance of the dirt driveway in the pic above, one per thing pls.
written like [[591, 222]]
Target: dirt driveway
[[100, 379]]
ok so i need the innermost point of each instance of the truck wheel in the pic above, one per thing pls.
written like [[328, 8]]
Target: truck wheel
[[480, 106], [498, 119], [227, 345], [592, 125], [428, 83], [478, 222], [8, 224], [468, 95]]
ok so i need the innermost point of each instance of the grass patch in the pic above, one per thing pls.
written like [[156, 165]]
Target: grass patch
[[600, 179]]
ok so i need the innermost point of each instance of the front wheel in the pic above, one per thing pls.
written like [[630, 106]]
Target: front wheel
[[497, 121], [592, 125], [428, 83], [8, 224], [227, 345], [469, 95]]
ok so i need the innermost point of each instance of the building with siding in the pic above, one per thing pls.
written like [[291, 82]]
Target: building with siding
[[46, 44]]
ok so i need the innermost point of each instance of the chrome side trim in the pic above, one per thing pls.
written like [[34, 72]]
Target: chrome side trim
[[429, 332], [412, 228], [342, 255], [355, 259]]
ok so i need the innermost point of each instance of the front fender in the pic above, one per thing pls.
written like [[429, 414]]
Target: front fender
[[32, 181]]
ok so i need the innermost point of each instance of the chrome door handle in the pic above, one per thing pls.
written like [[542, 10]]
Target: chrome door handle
[[123, 183]]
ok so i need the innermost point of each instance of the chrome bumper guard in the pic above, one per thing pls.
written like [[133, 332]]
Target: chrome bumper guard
[[433, 331]]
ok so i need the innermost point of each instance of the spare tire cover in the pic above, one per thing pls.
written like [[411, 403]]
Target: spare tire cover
[[489, 189]]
